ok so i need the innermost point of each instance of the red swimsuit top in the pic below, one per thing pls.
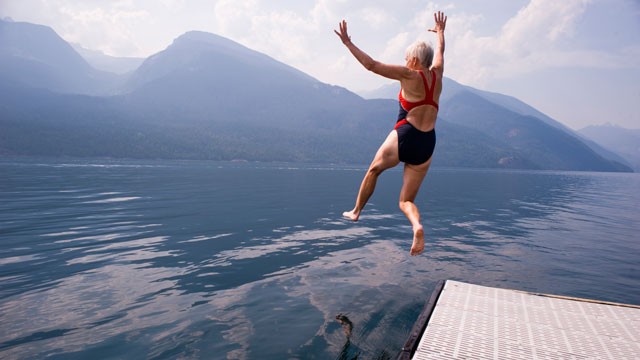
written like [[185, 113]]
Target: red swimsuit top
[[428, 99]]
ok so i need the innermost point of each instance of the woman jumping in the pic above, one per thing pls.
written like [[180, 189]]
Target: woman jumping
[[413, 138]]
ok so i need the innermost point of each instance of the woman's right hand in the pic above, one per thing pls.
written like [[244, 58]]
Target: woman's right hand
[[343, 35]]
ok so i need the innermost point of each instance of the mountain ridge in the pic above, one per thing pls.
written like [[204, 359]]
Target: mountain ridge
[[34, 55], [103, 62], [208, 97]]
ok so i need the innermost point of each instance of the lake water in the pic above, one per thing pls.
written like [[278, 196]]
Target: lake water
[[163, 260]]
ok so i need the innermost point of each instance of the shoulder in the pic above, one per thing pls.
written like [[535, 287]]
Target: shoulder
[[415, 75], [413, 82]]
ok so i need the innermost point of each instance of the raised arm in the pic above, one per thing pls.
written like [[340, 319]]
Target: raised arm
[[395, 72], [441, 22]]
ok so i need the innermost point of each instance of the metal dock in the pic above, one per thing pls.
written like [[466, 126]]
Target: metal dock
[[465, 321]]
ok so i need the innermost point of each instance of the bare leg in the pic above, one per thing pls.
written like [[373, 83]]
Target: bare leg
[[412, 179], [366, 190], [386, 157]]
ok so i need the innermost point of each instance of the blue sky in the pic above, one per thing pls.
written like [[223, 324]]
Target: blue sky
[[575, 60]]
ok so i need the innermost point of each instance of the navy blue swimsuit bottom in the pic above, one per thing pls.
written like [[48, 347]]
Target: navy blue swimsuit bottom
[[415, 147]]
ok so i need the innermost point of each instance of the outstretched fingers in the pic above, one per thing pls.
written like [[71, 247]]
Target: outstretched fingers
[[441, 21], [343, 34]]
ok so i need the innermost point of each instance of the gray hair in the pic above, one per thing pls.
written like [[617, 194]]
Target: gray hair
[[422, 51]]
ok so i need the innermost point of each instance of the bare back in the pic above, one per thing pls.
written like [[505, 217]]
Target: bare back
[[422, 117]]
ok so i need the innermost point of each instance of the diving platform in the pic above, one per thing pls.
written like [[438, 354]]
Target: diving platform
[[466, 321]]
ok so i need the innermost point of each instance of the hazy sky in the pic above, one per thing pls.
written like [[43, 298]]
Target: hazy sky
[[578, 61]]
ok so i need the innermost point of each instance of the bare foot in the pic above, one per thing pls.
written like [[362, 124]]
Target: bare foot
[[418, 241], [351, 215]]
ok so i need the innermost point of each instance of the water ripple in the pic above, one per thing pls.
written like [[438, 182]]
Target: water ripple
[[191, 259]]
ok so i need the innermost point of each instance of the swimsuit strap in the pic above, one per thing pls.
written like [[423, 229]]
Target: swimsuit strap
[[432, 89], [429, 92]]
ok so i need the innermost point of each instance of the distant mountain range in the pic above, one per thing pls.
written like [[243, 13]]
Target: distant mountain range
[[625, 142], [104, 62], [207, 97]]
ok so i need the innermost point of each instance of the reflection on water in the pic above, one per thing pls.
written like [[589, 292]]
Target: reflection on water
[[245, 261]]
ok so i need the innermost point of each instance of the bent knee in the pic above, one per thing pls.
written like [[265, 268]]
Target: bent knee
[[376, 169], [382, 164], [404, 203]]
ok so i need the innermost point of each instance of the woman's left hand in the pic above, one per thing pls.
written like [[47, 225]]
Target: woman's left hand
[[441, 22], [344, 36]]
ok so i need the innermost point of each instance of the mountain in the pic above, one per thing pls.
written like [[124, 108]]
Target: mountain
[[511, 103], [625, 142], [531, 138], [104, 62], [207, 97], [204, 97], [244, 104], [35, 56], [210, 77], [197, 51]]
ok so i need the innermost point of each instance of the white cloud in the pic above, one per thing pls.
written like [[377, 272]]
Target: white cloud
[[231, 15], [108, 29], [395, 48], [281, 33], [542, 23], [376, 17], [339, 65], [533, 39], [424, 20], [173, 4]]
